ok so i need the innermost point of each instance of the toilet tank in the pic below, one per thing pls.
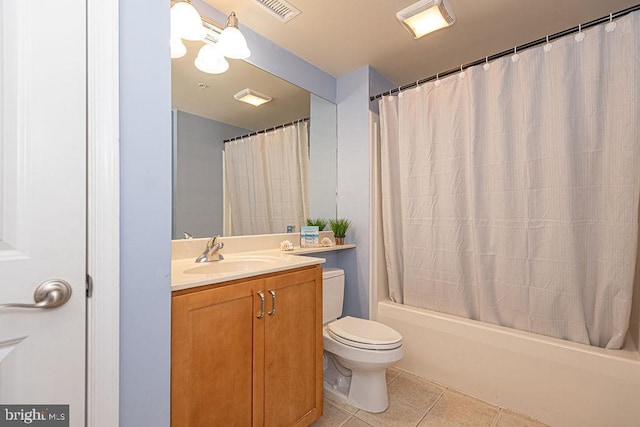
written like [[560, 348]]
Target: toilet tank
[[332, 294]]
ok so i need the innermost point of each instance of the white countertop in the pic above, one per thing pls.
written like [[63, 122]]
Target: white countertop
[[185, 272]]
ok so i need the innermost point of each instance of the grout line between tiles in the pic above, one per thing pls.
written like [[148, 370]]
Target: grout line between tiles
[[437, 400], [495, 420], [422, 419], [355, 414], [420, 409], [395, 378], [444, 388]]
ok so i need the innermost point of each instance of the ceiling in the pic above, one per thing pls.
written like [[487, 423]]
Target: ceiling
[[340, 36], [215, 101]]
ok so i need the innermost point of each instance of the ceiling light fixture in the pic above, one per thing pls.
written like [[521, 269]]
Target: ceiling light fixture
[[252, 97], [186, 22], [426, 16], [219, 43], [178, 49], [232, 42], [210, 60]]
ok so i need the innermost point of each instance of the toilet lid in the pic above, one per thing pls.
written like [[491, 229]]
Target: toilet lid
[[362, 333]]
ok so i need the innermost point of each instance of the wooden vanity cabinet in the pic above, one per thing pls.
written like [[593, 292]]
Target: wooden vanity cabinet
[[293, 349], [233, 366]]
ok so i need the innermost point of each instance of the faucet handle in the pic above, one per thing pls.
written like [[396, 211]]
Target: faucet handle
[[187, 236], [211, 250], [212, 243]]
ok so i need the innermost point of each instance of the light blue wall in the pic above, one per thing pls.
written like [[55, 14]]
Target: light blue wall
[[353, 91], [353, 186], [198, 204], [145, 211], [145, 175], [322, 153], [145, 214], [378, 84]]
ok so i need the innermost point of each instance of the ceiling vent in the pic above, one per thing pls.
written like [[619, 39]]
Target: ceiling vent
[[281, 9]]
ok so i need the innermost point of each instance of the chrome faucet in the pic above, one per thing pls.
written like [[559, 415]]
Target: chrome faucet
[[212, 251]]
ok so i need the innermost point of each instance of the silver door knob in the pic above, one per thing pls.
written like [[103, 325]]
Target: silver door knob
[[49, 294]]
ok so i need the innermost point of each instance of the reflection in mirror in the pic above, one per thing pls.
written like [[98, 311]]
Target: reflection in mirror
[[267, 181], [205, 114]]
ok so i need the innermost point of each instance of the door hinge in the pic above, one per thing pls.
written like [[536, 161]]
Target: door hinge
[[89, 286]]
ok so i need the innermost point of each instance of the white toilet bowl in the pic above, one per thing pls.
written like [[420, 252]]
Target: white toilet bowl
[[357, 353]]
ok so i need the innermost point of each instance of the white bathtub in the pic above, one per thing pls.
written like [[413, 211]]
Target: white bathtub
[[555, 381]]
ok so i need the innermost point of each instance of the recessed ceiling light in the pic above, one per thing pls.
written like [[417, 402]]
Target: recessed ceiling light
[[426, 16], [252, 97]]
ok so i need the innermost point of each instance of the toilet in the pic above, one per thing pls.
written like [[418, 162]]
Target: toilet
[[356, 351]]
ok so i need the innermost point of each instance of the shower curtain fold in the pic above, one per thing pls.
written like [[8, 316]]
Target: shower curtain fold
[[267, 181], [511, 195]]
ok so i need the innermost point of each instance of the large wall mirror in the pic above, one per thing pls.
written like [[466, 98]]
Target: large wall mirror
[[205, 114]]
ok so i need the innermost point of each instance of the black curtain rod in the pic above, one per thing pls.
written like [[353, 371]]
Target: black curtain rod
[[510, 51], [266, 130]]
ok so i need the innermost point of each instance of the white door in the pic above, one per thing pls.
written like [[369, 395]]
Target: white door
[[42, 201]]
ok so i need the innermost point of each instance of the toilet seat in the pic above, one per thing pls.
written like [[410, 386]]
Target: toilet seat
[[364, 334]]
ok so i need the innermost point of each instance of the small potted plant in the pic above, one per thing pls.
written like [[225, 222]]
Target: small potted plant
[[320, 222], [339, 227]]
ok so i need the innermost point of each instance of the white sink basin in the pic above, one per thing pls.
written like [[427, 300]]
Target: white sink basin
[[235, 265]]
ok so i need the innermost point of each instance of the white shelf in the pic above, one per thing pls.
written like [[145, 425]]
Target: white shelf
[[303, 251]]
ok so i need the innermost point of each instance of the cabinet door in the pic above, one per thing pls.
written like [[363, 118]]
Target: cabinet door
[[214, 357], [293, 349]]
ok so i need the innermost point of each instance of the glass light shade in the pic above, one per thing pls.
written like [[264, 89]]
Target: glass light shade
[[178, 49], [186, 21], [233, 44], [210, 60]]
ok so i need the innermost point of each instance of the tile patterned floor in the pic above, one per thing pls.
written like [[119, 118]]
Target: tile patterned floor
[[414, 401]]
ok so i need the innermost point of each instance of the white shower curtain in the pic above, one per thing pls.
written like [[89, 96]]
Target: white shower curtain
[[511, 195], [267, 181]]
